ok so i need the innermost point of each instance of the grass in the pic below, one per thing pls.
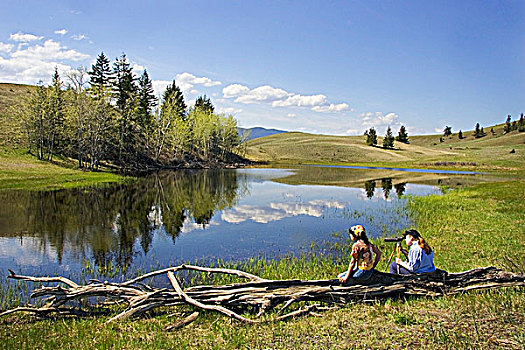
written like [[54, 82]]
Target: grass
[[469, 227], [19, 170]]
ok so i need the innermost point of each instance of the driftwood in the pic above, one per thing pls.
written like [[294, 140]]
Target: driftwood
[[257, 296]]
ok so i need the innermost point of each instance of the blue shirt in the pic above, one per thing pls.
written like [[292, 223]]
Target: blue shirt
[[419, 261]]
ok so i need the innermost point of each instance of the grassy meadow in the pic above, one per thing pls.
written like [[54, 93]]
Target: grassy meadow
[[472, 226]]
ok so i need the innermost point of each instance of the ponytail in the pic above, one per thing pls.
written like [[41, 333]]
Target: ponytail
[[424, 245]]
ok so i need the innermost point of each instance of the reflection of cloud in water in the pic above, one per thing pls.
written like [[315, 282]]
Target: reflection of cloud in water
[[258, 214], [27, 251], [294, 209], [189, 226], [275, 212], [328, 204]]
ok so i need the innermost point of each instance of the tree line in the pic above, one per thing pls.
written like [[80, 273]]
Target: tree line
[[479, 132], [388, 139], [108, 114]]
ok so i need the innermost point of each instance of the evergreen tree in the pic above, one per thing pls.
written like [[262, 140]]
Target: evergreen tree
[[477, 131], [55, 136], [460, 135], [388, 140], [100, 76], [447, 131], [371, 137], [146, 102], [521, 124], [403, 135], [203, 104], [507, 127], [125, 91]]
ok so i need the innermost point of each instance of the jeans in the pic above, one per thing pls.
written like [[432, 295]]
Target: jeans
[[398, 269], [359, 275]]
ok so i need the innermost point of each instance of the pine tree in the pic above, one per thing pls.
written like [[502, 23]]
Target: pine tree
[[55, 136], [100, 76], [175, 99], [460, 135], [447, 131], [203, 103], [403, 135], [125, 91], [388, 140], [146, 102], [521, 124], [477, 131], [371, 137], [507, 127]]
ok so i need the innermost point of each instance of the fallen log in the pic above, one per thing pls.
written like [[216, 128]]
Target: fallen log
[[257, 296]]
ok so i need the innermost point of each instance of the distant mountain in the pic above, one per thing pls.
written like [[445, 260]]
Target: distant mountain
[[257, 132]]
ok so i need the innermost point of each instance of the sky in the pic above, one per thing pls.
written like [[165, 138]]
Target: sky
[[327, 67]]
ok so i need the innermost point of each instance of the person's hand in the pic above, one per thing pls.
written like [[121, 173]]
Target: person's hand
[[342, 280], [399, 261]]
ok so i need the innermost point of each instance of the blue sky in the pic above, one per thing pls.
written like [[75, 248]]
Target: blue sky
[[331, 67]]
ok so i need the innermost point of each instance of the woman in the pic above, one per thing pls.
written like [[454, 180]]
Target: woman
[[361, 264], [420, 256]]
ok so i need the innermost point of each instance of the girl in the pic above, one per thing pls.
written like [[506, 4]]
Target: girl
[[361, 264], [420, 256]]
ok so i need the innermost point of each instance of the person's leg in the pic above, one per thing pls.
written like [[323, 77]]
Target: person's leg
[[362, 275], [397, 269]]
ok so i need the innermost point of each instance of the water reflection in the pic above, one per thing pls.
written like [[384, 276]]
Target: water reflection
[[105, 223], [178, 216]]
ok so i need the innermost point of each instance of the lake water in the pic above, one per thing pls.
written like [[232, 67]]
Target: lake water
[[204, 215]]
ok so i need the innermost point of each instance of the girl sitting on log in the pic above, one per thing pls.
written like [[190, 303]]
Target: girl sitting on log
[[361, 264], [420, 256]]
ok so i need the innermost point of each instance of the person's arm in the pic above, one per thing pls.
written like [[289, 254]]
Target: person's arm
[[378, 254], [352, 265]]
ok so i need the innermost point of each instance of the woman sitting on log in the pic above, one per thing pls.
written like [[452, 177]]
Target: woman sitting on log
[[361, 265], [420, 256]]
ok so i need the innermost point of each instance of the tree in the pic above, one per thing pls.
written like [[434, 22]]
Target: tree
[[146, 102], [403, 135], [460, 135], [100, 76], [521, 124], [203, 103], [371, 137], [507, 127], [388, 140], [170, 127], [125, 94], [55, 136], [447, 131], [478, 132]]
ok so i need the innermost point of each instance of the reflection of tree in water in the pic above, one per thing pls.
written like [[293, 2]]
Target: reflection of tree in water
[[104, 223], [400, 189], [386, 184], [370, 187]]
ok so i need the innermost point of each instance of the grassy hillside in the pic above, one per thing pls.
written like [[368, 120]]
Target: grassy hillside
[[492, 152], [11, 96]]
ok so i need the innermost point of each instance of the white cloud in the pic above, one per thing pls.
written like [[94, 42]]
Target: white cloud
[[24, 37], [186, 81], [291, 115], [78, 37], [301, 101], [6, 47], [61, 32], [30, 63], [332, 108], [51, 50], [235, 90], [380, 121], [159, 86], [277, 97], [228, 110]]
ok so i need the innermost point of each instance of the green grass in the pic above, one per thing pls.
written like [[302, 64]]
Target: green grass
[[19, 170], [470, 227]]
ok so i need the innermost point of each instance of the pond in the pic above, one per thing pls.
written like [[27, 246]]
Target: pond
[[201, 216]]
